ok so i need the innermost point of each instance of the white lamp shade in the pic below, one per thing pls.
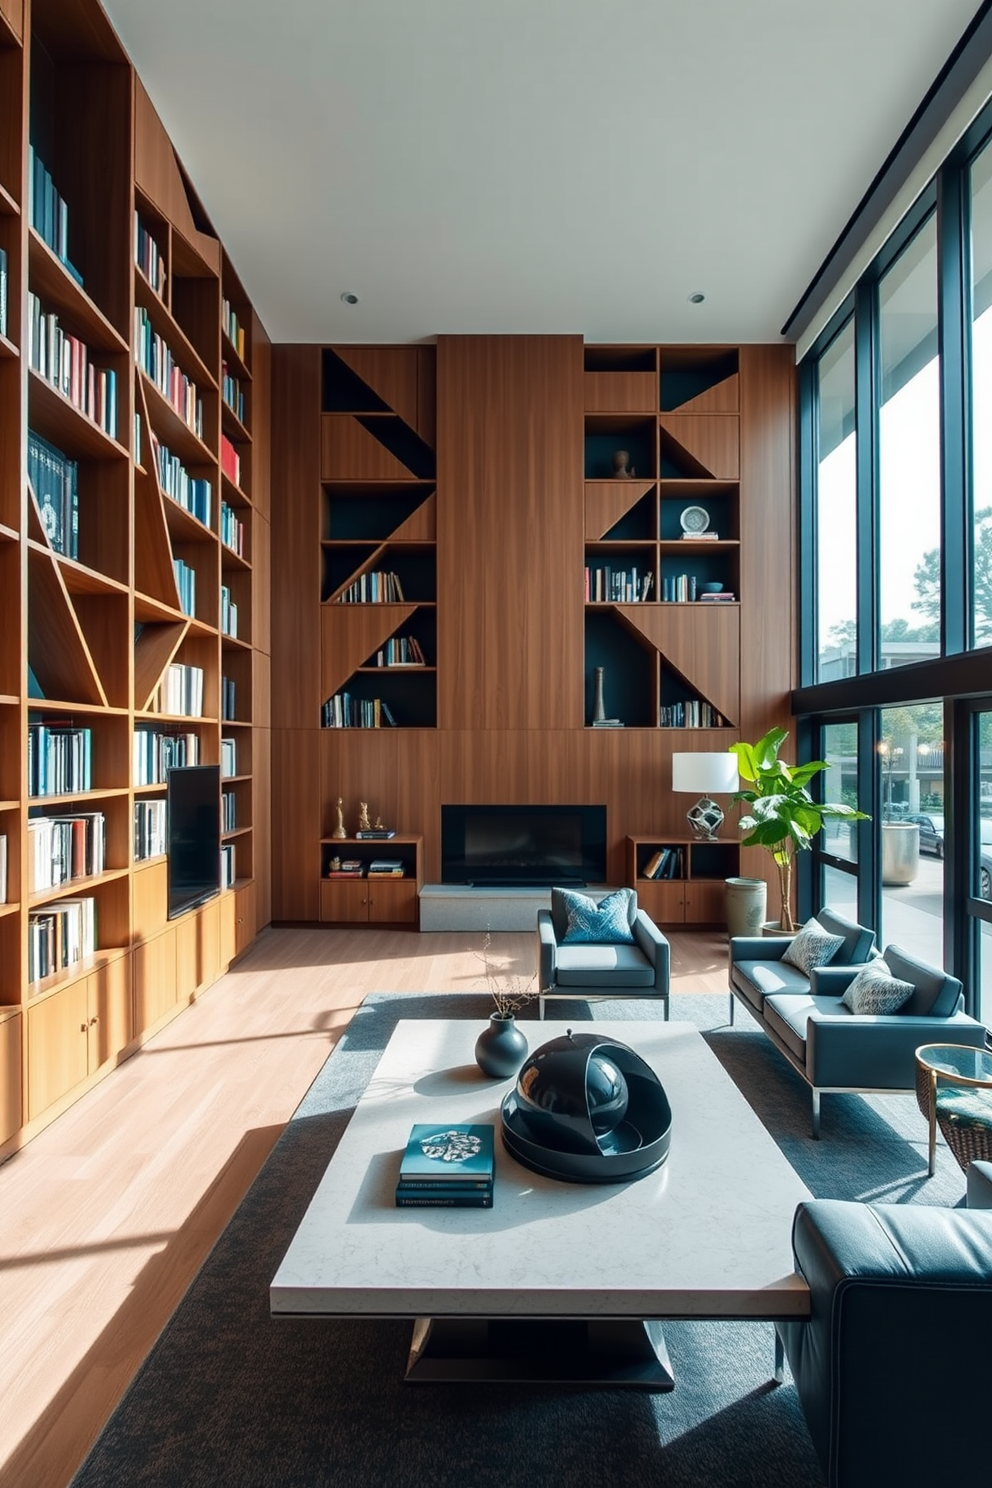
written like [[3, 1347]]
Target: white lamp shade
[[705, 774]]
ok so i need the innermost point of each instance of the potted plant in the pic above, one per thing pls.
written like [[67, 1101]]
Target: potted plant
[[783, 816]]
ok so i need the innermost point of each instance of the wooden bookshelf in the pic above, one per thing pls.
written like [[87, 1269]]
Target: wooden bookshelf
[[86, 638]]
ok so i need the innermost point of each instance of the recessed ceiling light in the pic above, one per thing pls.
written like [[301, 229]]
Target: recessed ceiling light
[[349, 298], [696, 298]]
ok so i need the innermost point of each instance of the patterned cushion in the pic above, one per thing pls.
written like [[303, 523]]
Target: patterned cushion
[[875, 991], [559, 909], [813, 946], [589, 923]]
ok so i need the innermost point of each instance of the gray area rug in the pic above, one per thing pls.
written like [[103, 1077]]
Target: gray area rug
[[230, 1397]]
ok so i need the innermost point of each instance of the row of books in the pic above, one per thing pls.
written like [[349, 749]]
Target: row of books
[[227, 703], [233, 329], [65, 361], [692, 714], [230, 461], [3, 291], [193, 494], [400, 651], [155, 751], [149, 829], [684, 588], [232, 532], [228, 871], [55, 481], [232, 393], [48, 212], [228, 613], [186, 584], [345, 711], [149, 257], [617, 586], [180, 691], [447, 1167], [667, 862], [154, 357], [228, 811], [61, 848], [374, 588], [228, 758], [60, 759], [59, 936]]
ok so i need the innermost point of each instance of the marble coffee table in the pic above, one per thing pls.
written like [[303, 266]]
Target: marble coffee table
[[558, 1281]]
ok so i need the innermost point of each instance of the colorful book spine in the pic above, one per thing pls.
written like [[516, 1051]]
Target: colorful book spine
[[55, 482], [66, 363], [230, 461], [232, 531], [232, 327], [48, 213], [193, 493], [149, 257], [154, 356], [158, 750]]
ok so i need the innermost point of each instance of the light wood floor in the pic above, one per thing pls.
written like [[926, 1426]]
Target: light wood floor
[[106, 1216]]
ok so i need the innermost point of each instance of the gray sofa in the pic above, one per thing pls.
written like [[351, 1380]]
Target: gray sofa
[[900, 1318], [831, 1047]]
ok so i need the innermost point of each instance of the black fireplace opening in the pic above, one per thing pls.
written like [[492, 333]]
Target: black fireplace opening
[[523, 846]]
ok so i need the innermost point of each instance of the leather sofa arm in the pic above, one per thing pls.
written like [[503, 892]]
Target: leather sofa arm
[[547, 950], [758, 947], [832, 981], [655, 946], [980, 1185], [877, 1053]]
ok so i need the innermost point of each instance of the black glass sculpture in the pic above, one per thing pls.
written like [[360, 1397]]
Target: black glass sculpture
[[587, 1109]]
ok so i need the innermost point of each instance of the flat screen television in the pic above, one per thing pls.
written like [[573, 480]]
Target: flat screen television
[[193, 814]]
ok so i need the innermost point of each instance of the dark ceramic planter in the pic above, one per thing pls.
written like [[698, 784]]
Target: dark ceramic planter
[[501, 1048]]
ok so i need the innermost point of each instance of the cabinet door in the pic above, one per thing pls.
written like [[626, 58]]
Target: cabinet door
[[244, 918], [109, 1011], [228, 929], [153, 970], [197, 949], [664, 901], [57, 1046], [705, 902], [392, 901], [10, 1076], [342, 899]]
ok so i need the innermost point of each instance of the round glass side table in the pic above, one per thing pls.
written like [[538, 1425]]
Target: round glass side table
[[954, 1092]]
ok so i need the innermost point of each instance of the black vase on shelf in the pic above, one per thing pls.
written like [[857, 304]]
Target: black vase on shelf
[[501, 1048]]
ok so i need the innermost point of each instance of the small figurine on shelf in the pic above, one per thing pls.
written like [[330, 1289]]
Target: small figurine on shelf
[[364, 825], [622, 468], [335, 865], [380, 825], [339, 832]]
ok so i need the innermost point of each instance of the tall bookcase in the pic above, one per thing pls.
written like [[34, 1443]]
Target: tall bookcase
[[129, 424]]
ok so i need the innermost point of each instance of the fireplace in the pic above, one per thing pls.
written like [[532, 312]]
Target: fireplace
[[534, 846]]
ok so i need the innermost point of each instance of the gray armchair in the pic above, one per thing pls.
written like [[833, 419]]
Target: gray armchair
[[592, 972]]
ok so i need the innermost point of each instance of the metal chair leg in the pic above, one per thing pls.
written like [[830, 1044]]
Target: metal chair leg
[[816, 1116], [731, 1009]]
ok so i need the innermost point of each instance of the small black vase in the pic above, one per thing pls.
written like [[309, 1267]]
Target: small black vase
[[501, 1048]]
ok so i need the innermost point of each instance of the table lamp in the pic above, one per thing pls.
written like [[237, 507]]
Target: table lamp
[[709, 774]]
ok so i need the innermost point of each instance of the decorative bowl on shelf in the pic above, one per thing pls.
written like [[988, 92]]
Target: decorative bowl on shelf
[[694, 519], [711, 588]]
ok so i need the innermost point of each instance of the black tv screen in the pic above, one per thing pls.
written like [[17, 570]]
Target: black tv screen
[[193, 813]]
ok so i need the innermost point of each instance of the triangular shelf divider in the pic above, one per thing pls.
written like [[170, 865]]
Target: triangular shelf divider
[[103, 620], [154, 648], [57, 649], [366, 566], [154, 573], [701, 642], [391, 376], [350, 634], [420, 525], [609, 500], [705, 447], [721, 397]]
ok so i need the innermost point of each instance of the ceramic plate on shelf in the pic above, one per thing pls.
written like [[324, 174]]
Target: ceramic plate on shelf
[[694, 519]]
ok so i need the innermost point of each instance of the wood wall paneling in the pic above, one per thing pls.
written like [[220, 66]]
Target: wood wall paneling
[[391, 372], [262, 824], [349, 451], [712, 441], [261, 423], [296, 827], [12, 12], [295, 560], [620, 392], [261, 561], [510, 532], [157, 174]]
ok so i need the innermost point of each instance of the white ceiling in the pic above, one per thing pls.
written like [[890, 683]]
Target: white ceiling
[[533, 165]]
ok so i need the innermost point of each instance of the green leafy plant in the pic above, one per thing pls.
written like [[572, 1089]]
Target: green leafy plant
[[783, 816]]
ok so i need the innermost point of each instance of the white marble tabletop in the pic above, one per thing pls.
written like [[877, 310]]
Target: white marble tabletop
[[706, 1235]]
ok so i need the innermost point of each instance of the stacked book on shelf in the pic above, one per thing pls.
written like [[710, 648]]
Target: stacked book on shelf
[[156, 751], [230, 460], [232, 532], [186, 584], [374, 588], [60, 759], [228, 758], [344, 711], [667, 862], [232, 393], [149, 257], [724, 597], [192, 493], [692, 714], [386, 868], [401, 651], [65, 361], [347, 868], [55, 481], [149, 829], [180, 692], [228, 710], [228, 613], [447, 1167], [154, 357], [617, 586], [233, 329], [228, 811], [59, 936], [227, 865], [61, 848], [48, 212]]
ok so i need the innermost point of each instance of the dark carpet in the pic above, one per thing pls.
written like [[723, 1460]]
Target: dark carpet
[[230, 1397]]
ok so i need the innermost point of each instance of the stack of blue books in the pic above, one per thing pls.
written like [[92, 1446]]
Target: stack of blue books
[[447, 1167]]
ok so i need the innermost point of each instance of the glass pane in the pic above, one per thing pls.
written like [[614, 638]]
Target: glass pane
[[840, 783], [983, 1012], [909, 455], [911, 766], [983, 886], [981, 393], [836, 516]]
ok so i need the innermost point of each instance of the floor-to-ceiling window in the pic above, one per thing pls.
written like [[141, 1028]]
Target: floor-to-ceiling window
[[911, 790], [836, 530]]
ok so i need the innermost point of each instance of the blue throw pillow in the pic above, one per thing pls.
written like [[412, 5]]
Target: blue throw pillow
[[605, 923]]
